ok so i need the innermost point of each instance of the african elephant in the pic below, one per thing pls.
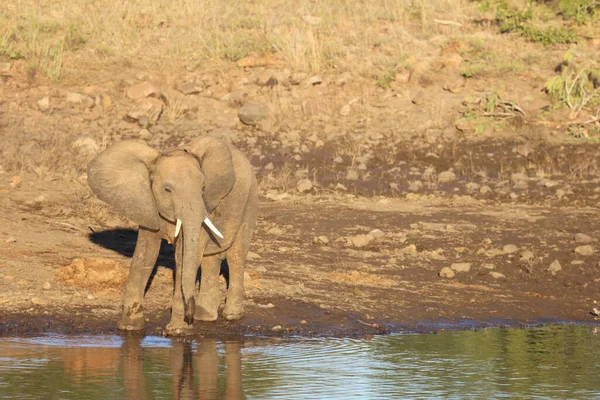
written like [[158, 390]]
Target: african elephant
[[172, 195]]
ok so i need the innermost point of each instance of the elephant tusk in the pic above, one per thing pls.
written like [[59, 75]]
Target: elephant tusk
[[212, 228], [177, 227]]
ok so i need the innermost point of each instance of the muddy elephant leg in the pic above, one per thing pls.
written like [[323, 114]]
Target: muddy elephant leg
[[142, 264], [210, 295], [178, 325], [236, 258]]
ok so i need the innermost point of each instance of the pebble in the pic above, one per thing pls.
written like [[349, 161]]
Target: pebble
[[10, 240], [44, 103], [276, 328], [91, 297], [586, 250], [304, 185], [359, 240], [509, 248], [446, 177], [253, 112], [352, 175], [497, 275], [583, 238], [304, 322], [376, 233], [461, 267], [142, 89], [275, 231], [46, 286], [489, 266], [261, 269], [485, 189], [415, 186], [554, 267], [38, 301], [446, 273], [527, 256]]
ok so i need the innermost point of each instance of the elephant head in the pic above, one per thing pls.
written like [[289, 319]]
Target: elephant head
[[182, 186]]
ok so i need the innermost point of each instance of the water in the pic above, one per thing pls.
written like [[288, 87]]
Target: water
[[544, 362]]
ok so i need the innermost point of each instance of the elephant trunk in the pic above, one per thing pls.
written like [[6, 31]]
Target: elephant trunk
[[191, 215]]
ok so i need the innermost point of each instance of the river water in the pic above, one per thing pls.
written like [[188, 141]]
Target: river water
[[544, 362]]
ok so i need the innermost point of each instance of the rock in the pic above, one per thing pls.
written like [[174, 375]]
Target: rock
[[86, 145], [461, 267], [446, 273], [46, 286], [44, 103], [497, 275], [359, 240], [260, 269], [338, 160], [304, 322], [376, 233], [247, 276], [304, 185], [554, 267], [513, 196], [527, 256], [339, 186], [141, 90], [586, 250], [39, 301], [298, 77], [253, 256], [321, 240], [5, 68], [276, 328], [104, 101], [253, 112], [144, 134], [344, 110], [352, 175], [583, 238], [489, 266], [144, 122], [189, 88], [150, 108], [10, 240], [472, 186], [314, 80], [485, 189], [91, 297], [275, 231], [509, 248], [447, 177], [415, 186], [80, 99]]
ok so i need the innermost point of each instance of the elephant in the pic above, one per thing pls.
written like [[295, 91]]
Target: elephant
[[187, 196]]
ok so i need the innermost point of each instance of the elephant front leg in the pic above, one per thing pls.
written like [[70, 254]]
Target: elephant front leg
[[142, 264], [178, 325], [210, 295]]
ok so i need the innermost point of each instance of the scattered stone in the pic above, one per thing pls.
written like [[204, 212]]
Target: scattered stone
[[461, 267], [144, 122], [150, 108], [339, 186], [560, 193], [513, 196], [46, 286], [10, 240], [547, 183], [189, 88], [144, 134], [472, 186], [304, 322], [304, 185], [586, 250], [275, 231], [376, 233], [489, 266], [447, 177], [357, 292], [80, 99], [338, 160], [44, 103], [485, 189], [253, 112], [141, 90], [39, 301], [253, 256], [554, 267], [5, 68], [247, 276], [352, 175], [497, 275], [359, 240], [509, 248], [86, 145], [446, 273], [276, 328], [314, 80], [527, 256], [260, 269], [91, 297], [415, 186], [583, 238], [104, 101], [344, 110], [321, 240]]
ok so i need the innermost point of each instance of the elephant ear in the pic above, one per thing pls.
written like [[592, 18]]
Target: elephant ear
[[120, 177], [216, 162]]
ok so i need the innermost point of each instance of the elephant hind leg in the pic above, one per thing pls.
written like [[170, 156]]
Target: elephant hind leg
[[210, 295], [236, 258]]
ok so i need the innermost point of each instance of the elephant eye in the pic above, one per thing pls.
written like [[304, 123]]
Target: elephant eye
[[168, 189]]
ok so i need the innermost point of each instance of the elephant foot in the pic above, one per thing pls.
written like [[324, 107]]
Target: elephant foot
[[202, 314], [233, 312], [131, 324], [178, 329]]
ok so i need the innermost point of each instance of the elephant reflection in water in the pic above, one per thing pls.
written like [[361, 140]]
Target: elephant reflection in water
[[185, 364]]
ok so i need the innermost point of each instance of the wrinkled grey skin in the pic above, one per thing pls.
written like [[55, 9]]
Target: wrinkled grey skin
[[206, 178]]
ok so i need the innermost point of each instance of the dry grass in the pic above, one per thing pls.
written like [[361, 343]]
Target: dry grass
[[59, 37]]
